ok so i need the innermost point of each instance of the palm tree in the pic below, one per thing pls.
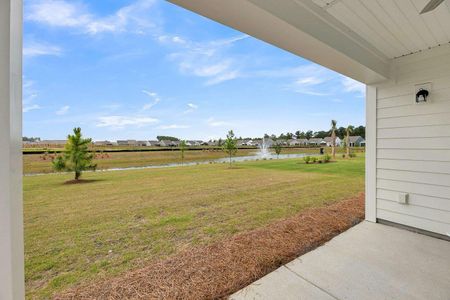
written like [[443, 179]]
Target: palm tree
[[333, 138], [348, 131]]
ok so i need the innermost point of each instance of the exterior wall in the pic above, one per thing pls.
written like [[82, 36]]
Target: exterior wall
[[413, 143], [11, 220]]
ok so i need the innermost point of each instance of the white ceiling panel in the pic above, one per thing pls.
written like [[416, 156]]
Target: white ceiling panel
[[394, 27]]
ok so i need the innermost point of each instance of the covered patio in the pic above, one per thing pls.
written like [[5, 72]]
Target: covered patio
[[368, 261]]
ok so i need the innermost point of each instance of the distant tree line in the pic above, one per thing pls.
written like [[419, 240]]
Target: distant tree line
[[31, 139], [167, 138], [340, 132]]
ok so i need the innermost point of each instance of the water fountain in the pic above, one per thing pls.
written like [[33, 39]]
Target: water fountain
[[264, 149]]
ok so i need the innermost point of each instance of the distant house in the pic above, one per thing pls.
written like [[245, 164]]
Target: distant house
[[356, 141], [316, 142], [213, 143], [328, 141], [131, 143], [152, 143], [303, 142], [165, 143], [244, 142], [52, 142], [282, 142], [174, 143], [254, 143], [297, 142], [103, 143], [142, 143], [194, 143]]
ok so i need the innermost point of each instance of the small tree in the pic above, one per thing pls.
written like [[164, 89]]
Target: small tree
[[183, 147], [348, 131], [277, 148], [333, 138], [230, 145], [76, 157]]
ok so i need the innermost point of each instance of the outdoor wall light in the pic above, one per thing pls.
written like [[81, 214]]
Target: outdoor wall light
[[421, 95]]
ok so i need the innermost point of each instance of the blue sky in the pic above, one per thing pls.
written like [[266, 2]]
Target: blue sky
[[137, 69]]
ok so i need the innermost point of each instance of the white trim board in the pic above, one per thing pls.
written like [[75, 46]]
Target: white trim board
[[11, 212]]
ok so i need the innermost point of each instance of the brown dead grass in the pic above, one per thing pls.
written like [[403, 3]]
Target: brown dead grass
[[218, 270]]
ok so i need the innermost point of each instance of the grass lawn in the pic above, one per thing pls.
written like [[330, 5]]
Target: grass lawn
[[123, 219]]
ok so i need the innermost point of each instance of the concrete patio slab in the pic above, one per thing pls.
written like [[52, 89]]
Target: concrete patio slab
[[282, 284], [369, 261]]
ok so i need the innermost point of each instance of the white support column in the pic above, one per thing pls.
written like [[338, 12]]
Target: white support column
[[11, 212], [371, 153]]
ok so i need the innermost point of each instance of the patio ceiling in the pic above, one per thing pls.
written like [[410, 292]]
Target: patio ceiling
[[394, 27], [359, 39]]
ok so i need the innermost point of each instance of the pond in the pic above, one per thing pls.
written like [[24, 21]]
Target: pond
[[257, 156]]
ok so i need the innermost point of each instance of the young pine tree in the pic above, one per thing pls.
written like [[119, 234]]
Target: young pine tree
[[76, 157], [230, 145], [277, 148]]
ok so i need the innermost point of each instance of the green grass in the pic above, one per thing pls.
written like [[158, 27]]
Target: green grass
[[75, 233]]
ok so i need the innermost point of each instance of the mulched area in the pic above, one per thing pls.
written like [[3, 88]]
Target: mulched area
[[220, 269]]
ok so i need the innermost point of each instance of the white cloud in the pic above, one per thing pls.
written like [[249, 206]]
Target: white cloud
[[351, 85], [63, 110], [155, 101], [173, 126], [61, 13], [124, 121], [192, 105], [29, 94], [32, 49], [191, 108], [307, 81], [27, 108], [215, 123], [208, 60]]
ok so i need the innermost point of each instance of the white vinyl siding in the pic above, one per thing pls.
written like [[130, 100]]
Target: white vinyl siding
[[413, 144]]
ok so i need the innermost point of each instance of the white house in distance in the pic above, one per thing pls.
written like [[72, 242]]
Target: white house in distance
[[388, 45], [356, 141], [329, 141]]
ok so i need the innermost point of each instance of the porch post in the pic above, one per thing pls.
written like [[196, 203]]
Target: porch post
[[11, 218], [371, 153]]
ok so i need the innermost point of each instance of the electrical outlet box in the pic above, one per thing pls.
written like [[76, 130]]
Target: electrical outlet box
[[422, 86], [402, 198]]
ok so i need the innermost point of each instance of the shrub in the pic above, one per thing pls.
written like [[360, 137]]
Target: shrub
[[307, 159], [352, 155], [326, 158], [313, 159]]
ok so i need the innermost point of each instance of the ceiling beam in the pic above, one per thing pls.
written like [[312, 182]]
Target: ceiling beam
[[302, 28]]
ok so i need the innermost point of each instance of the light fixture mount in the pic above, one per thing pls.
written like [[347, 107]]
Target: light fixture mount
[[422, 93]]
